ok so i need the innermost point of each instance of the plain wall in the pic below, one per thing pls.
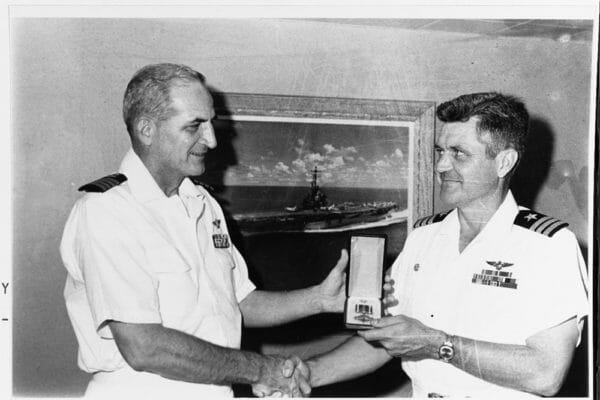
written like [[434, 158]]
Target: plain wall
[[68, 78]]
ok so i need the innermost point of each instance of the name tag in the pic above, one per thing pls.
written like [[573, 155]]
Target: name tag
[[220, 240]]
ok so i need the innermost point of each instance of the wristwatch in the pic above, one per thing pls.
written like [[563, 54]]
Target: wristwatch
[[446, 350]]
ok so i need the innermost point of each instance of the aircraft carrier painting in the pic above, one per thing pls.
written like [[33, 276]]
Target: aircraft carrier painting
[[315, 213]]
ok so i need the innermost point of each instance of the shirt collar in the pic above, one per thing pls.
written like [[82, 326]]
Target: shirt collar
[[503, 219], [501, 222], [142, 184], [187, 188]]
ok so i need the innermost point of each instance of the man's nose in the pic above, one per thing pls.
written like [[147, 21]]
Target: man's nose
[[208, 135], [443, 163]]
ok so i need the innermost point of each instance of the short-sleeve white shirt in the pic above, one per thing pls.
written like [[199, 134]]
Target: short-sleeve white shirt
[[543, 283], [135, 255]]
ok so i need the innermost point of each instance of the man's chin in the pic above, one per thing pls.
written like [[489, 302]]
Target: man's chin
[[449, 200], [196, 171]]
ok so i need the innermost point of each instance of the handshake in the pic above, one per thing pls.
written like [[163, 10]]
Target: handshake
[[290, 377], [283, 377]]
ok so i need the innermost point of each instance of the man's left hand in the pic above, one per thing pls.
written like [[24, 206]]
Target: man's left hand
[[389, 300], [332, 291], [403, 336]]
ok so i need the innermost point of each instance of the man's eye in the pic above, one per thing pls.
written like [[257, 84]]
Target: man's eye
[[459, 154]]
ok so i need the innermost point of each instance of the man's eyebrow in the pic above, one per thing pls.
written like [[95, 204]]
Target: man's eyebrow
[[197, 121], [460, 148]]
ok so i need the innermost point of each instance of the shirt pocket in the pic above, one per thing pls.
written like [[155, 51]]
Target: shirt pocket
[[177, 290], [221, 270]]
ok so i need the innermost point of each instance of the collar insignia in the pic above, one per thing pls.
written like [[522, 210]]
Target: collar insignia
[[531, 216]]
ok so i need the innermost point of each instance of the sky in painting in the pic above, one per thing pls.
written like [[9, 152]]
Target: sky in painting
[[284, 154]]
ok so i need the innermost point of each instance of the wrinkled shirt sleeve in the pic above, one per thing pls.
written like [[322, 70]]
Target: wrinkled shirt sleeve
[[114, 269]]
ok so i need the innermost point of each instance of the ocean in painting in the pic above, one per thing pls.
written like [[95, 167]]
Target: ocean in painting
[[247, 199]]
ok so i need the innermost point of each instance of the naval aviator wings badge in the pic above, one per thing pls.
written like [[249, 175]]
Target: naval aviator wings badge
[[497, 276], [499, 264]]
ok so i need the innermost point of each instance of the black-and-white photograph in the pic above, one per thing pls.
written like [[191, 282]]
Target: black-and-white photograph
[[195, 188]]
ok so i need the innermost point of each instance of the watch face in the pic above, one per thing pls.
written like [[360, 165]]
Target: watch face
[[446, 352]]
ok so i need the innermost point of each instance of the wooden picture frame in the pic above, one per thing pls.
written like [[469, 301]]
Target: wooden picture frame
[[294, 114]]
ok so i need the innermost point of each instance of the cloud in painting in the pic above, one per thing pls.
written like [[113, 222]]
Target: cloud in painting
[[328, 148], [339, 166], [282, 168], [299, 164], [314, 158]]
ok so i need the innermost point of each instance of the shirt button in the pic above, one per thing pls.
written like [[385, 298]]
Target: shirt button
[[416, 267]]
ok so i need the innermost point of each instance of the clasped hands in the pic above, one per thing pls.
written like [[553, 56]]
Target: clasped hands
[[290, 377], [283, 377], [400, 335]]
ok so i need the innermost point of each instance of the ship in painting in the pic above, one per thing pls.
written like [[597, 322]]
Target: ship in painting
[[316, 214]]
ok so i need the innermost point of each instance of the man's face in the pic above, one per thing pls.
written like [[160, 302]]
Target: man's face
[[181, 142], [467, 177]]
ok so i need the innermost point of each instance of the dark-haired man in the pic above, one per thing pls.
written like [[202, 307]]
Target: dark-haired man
[[491, 296], [156, 292]]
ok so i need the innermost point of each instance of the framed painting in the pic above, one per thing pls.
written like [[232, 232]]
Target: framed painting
[[297, 174]]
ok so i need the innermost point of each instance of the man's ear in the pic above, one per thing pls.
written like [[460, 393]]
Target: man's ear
[[145, 130], [506, 160]]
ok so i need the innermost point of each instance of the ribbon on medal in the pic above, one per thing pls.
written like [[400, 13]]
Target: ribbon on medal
[[220, 240], [496, 277]]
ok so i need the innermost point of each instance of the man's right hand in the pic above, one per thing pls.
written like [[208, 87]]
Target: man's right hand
[[281, 377]]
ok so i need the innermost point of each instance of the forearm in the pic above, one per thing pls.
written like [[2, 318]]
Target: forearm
[[515, 366], [539, 366], [262, 308], [351, 359], [177, 355]]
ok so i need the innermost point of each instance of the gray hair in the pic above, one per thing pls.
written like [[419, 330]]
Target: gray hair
[[147, 93]]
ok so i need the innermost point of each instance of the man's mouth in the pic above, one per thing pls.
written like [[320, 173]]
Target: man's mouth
[[197, 154], [448, 179]]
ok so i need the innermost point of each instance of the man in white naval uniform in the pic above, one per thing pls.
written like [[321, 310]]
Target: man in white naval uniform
[[491, 296], [156, 292]]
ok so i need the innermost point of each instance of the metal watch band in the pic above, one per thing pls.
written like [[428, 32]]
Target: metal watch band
[[446, 350]]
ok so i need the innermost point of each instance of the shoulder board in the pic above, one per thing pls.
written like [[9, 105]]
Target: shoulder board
[[196, 180], [431, 219], [539, 223], [103, 184]]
